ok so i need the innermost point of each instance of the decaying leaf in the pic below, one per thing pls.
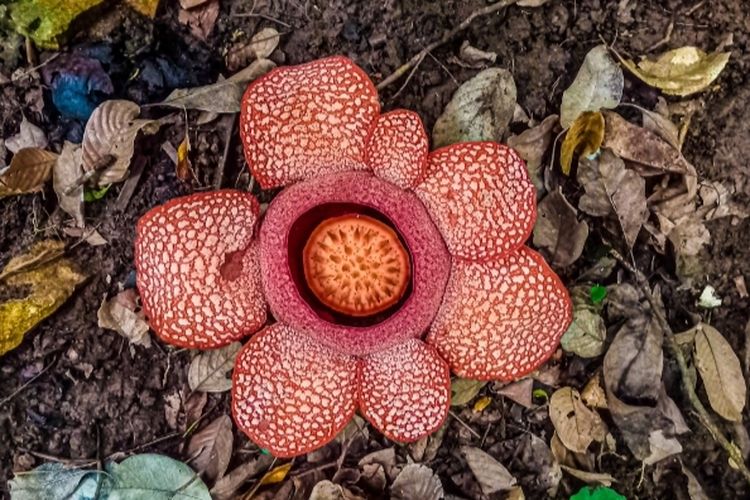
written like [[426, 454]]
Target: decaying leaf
[[611, 188], [590, 477], [598, 85], [558, 232], [154, 476], [122, 314], [29, 169], [721, 372], [695, 490], [472, 57], [586, 334], [464, 390], [536, 456], [584, 137], [491, 475], [184, 168], [264, 42], [577, 426], [480, 110], [52, 280], [681, 72], [518, 391], [226, 487], [109, 139], [416, 482], [200, 19], [277, 474], [532, 145], [29, 136], [44, 21], [65, 175], [220, 97], [208, 369], [146, 7], [593, 394], [53, 480], [211, 448], [661, 125]]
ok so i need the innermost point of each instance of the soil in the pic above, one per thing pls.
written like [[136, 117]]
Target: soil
[[98, 395]]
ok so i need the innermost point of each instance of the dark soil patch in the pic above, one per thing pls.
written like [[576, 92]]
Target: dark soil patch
[[99, 396]]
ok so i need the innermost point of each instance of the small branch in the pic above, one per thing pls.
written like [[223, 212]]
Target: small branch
[[24, 386], [447, 37], [735, 454]]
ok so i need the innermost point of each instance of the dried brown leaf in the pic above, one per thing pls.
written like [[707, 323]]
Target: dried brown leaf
[[122, 314], [532, 145], [416, 482], [29, 169], [226, 488], [28, 136], [601, 478], [721, 372], [200, 19], [558, 232], [208, 369], [519, 391], [65, 175], [577, 426], [211, 448], [584, 138]]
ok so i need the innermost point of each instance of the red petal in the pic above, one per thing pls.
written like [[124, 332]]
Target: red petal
[[398, 148], [481, 199], [197, 269], [304, 121], [290, 394], [405, 391], [501, 319]]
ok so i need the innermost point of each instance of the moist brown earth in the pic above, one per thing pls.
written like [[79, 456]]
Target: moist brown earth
[[98, 395]]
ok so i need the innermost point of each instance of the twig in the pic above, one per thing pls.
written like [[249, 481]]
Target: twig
[[25, 385], [448, 36], [735, 454], [460, 421]]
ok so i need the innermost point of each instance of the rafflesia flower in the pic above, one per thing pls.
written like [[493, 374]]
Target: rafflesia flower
[[385, 266]]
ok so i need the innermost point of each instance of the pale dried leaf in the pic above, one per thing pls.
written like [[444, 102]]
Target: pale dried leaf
[[661, 126], [29, 136], [598, 85], [68, 169], [491, 475], [480, 110], [532, 145], [200, 19], [474, 57], [662, 446], [29, 169], [593, 394], [226, 488], [577, 426], [721, 372], [122, 314], [416, 482], [211, 448], [601, 478], [519, 391], [208, 369], [695, 490], [558, 232], [464, 390], [264, 42]]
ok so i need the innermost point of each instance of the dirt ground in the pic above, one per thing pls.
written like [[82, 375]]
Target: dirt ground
[[99, 396]]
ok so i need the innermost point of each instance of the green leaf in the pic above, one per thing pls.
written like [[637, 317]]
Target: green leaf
[[44, 21], [91, 195], [53, 481], [464, 390], [598, 294], [598, 493], [155, 477], [540, 394]]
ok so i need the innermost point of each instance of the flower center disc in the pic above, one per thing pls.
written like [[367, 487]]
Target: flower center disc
[[356, 265]]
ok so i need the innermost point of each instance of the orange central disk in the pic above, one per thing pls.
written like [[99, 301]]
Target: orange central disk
[[356, 265]]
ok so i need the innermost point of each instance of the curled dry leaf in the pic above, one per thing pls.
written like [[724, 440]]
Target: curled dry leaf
[[584, 137], [416, 482], [586, 334], [109, 139], [208, 369], [464, 390], [611, 188], [576, 425], [29, 169], [473, 57], [681, 72], [122, 314], [601, 478], [532, 145], [50, 280], [211, 448], [65, 176], [327, 490], [598, 85], [480, 110], [558, 232], [29, 136], [721, 372], [491, 475]]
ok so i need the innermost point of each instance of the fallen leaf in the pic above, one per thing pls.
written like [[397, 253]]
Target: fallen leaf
[[109, 139], [220, 97], [189, 4], [277, 474], [207, 370], [53, 480], [611, 188], [65, 175], [586, 334], [183, 168], [709, 299], [660, 125], [639, 145], [584, 137], [29, 169], [558, 232], [577, 426], [721, 372], [327, 490], [264, 42], [122, 314], [472, 57], [491, 475], [464, 390], [480, 110], [200, 19], [598, 85], [211, 448], [147, 8], [531, 3], [695, 490], [44, 21], [536, 456], [681, 72], [482, 403], [593, 394], [50, 279], [28, 136], [154, 476], [518, 391], [226, 488], [90, 236], [532, 145], [416, 482], [590, 477]]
